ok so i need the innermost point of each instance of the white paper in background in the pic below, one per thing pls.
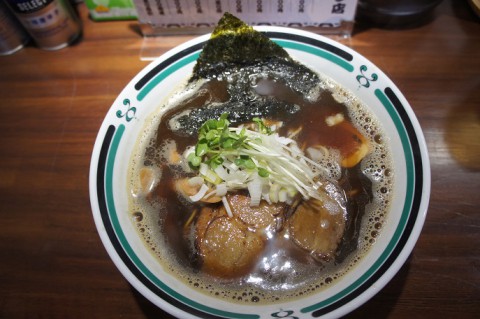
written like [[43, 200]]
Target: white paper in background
[[165, 17], [206, 13]]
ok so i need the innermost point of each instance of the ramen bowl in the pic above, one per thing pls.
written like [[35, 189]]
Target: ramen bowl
[[125, 122]]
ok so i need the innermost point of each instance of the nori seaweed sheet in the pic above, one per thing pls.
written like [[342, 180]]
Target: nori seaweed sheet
[[234, 44], [236, 50], [244, 104]]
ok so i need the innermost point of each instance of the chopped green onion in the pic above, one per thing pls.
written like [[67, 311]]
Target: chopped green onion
[[241, 155], [211, 135], [262, 172], [228, 143], [201, 148], [194, 160], [262, 128]]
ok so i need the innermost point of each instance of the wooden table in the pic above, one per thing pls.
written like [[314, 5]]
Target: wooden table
[[53, 264]]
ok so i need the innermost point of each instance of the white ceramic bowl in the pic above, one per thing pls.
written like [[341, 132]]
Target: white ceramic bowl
[[140, 98]]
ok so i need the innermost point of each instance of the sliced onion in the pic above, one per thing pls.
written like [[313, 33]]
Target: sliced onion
[[211, 176], [273, 194], [221, 189], [198, 196], [195, 181], [255, 190], [238, 176], [282, 195], [266, 197], [221, 172], [203, 169], [233, 167], [208, 195], [227, 206]]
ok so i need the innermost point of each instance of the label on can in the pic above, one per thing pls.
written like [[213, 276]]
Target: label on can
[[12, 35], [51, 23], [28, 6]]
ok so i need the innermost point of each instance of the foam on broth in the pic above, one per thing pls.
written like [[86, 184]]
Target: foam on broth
[[280, 278]]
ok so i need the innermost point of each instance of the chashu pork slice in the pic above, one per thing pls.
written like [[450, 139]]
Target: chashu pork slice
[[231, 246], [226, 247], [318, 228], [262, 218]]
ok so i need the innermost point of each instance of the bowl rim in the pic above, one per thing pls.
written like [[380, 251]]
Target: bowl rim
[[144, 82]]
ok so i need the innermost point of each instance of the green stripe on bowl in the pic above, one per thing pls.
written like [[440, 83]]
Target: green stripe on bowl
[[284, 43], [315, 51], [128, 249], [164, 74]]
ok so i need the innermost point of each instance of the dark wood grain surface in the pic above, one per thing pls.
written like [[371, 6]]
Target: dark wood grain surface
[[52, 262]]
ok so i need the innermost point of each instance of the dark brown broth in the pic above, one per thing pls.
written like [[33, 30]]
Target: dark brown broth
[[310, 115]]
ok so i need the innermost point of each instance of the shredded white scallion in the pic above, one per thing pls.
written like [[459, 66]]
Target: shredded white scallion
[[227, 206], [200, 194], [255, 190], [286, 170]]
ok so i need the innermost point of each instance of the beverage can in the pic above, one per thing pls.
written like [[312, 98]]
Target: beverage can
[[12, 35], [51, 23]]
